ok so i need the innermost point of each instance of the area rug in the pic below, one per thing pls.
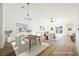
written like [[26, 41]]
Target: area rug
[[35, 50]]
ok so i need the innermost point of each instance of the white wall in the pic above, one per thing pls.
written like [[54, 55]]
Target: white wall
[[77, 31], [40, 14], [0, 25], [77, 36]]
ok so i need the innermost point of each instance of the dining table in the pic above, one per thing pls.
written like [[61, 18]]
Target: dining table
[[29, 38], [32, 37]]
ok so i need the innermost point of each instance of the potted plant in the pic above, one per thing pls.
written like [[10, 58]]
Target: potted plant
[[7, 34], [29, 30]]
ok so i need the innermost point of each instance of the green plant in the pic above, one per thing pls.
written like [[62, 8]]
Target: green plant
[[29, 30], [8, 33]]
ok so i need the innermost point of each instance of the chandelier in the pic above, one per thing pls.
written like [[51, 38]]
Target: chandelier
[[51, 20], [27, 18]]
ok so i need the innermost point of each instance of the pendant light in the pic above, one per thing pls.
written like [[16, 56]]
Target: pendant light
[[27, 18], [51, 20]]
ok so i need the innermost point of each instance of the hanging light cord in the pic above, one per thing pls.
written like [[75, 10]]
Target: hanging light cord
[[27, 9]]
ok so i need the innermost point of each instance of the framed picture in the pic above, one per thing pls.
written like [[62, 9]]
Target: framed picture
[[42, 28]]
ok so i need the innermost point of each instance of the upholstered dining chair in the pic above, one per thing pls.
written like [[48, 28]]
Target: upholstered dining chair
[[51, 36], [18, 46]]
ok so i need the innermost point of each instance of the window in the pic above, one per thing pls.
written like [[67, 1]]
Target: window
[[59, 29]]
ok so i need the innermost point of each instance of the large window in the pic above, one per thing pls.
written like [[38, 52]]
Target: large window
[[59, 29]]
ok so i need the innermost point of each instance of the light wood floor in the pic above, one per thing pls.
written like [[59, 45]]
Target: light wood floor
[[7, 50], [62, 47]]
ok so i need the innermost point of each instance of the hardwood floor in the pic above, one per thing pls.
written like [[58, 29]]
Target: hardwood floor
[[7, 50], [62, 47]]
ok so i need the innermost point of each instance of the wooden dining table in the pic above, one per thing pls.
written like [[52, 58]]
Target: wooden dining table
[[32, 37]]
